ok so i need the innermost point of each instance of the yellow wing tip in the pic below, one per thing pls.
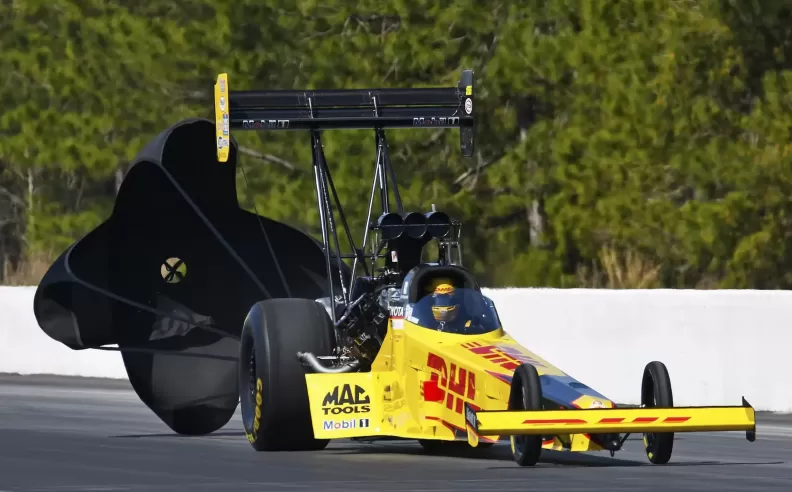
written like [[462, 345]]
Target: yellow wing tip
[[222, 117]]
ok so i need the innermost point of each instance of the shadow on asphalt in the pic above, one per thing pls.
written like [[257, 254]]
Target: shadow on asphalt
[[502, 452], [461, 450], [240, 434]]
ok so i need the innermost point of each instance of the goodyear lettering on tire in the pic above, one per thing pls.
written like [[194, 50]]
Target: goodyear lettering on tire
[[257, 412]]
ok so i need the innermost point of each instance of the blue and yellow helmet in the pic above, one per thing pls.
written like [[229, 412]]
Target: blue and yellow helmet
[[445, 304]]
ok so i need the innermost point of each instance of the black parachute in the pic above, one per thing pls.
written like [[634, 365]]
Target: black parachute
[[171, 275]]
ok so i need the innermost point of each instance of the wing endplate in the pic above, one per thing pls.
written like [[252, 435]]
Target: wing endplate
[[471, 426], [222, 117]]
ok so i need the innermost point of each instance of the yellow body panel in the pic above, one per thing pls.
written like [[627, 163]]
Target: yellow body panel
[[344, 405], [422, 380], [466, 369]]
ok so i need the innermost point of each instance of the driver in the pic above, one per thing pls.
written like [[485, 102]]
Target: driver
[[446, 307]]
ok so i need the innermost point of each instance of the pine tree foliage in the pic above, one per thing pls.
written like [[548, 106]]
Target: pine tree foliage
[[650, 135]]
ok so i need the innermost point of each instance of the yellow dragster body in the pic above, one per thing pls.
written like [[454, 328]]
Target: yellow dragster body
[[423, 380]]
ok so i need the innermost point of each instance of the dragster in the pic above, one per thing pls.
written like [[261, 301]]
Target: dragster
[[417, 351], [214, 307]]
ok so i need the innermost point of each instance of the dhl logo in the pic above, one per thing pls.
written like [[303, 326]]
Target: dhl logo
[[608, 420], [455, 385], [506, 356]]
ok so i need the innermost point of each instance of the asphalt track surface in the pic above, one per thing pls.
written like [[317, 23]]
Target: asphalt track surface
[[74, 434]]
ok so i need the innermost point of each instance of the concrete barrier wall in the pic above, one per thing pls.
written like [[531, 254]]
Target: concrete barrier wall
[[718, 345], [25, 349]]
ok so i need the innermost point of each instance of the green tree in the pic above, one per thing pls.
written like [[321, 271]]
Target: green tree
[[86, 85], [649, 133]]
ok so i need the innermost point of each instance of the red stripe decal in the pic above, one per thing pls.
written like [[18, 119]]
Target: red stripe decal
[[614, 420], [676, 419], [644, 420]]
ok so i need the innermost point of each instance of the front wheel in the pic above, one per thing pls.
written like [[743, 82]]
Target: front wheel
[[656, 393], [526, 394]]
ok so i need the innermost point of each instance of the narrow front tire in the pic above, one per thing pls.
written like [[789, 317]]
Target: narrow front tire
[[526, 394], [656, 393]]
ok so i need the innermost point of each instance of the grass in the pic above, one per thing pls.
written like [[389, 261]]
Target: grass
[[620, 270], [614, 270], [28, 272]]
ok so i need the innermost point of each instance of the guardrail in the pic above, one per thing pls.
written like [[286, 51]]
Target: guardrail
[[718, 345]]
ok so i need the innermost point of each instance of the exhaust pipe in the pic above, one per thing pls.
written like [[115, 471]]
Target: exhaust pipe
[[309, 361]]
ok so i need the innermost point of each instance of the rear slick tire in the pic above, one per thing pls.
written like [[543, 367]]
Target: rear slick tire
[[656, 393], [273, 394], [526, 394]]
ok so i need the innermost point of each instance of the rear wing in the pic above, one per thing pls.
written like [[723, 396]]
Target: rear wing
[[445, 107]]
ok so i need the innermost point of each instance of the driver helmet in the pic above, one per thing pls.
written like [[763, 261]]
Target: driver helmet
[[445, 302]]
